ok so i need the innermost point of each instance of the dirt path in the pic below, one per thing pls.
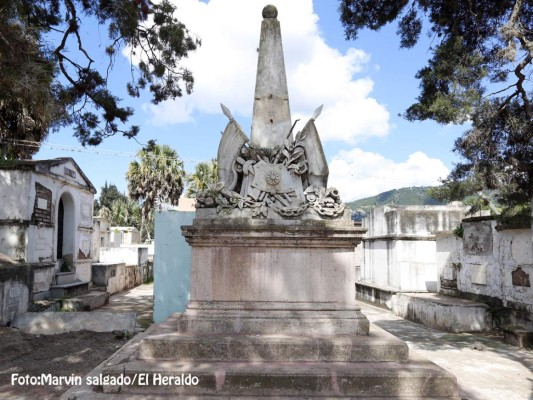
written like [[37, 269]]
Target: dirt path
[[67, 354], [73, 353]]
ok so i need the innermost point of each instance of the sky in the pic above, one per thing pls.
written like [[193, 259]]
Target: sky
[[365, 85]]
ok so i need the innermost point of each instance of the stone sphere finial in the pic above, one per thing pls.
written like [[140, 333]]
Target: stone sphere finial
[[270, 11]]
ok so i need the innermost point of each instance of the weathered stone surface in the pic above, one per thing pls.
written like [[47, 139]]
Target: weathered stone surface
[[443, 313], [14, 299], [399, 247], [293, 263], [420, 379], [518, 337], [493, 268], [69, 289], [85, 302], [270, 322], [477, 238], [164, 344], [271, 121]]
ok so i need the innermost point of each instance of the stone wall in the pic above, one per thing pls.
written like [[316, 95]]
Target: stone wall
[[15, 283], [490, 263], [13, 239], [399, 247], [116, 277], [43, 276], [130, 255]]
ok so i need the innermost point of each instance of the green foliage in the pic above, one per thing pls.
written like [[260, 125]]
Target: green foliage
[[49, 78], [118, 208], [158, 177], [108, 195], [402, 197], [450, 84], [28, 95], [455, 190], [479, 71], [126, 212], [204, 176], [519, 215], [458, 232]]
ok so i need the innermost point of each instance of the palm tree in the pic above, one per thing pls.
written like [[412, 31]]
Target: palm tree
[[205, 174], [126, 212], [159, 176]]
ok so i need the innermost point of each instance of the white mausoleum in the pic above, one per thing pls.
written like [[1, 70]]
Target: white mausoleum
[[46, 214]]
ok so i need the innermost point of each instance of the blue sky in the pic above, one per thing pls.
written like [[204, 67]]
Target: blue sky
[[363, 84]]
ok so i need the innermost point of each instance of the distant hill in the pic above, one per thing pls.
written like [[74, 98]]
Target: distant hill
[[409, 196]]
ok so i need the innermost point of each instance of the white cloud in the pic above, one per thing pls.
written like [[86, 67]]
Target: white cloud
[[225, 66], [358, 174]]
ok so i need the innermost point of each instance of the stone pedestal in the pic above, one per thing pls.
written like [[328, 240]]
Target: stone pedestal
[[272, 313], [265, 276]]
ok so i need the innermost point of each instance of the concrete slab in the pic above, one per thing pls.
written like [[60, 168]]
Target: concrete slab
[[51, 323], [69, 289], [438, 311], [62, 278], [445, 313], [85, 302]]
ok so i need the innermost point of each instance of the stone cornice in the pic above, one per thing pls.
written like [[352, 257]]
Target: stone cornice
[[273, 235]]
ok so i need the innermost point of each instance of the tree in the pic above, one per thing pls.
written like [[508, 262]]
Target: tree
[[126, 212], [158, 177], [28, 95], [117, 207], [49, 77], [108, 195], [480, 71], [205, 175]]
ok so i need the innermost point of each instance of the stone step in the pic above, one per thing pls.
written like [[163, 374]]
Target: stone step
[[379, 345], [69, 289], [270, 348], [85, 302], [415, 379], [62, 278], [273, 322]]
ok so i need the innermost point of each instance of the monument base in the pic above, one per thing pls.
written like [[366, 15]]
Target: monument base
[[273, 314], [272, 318], [273, 261], [376, 365]]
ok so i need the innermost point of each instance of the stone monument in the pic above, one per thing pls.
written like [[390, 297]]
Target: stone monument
[[272, 308]]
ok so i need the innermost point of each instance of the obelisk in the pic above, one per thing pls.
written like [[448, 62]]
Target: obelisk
[[271, 122]]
